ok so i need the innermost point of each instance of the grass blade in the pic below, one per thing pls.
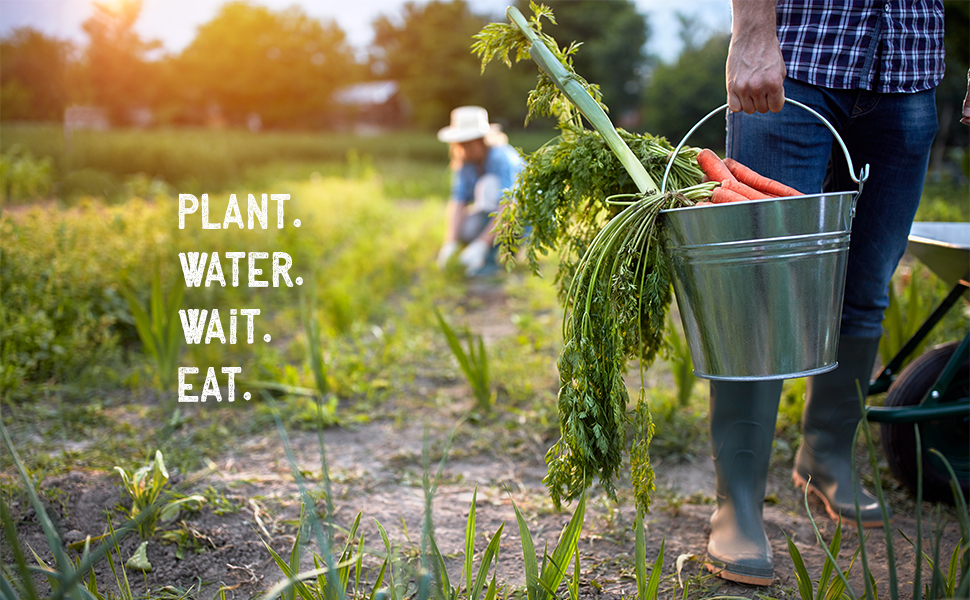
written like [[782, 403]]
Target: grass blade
[[801, 573], [529, 559], [470, 541], [886, 526], [653, 584], [389, 560], [640, 556], [834, 546], [491, 553], [440, 571], [552, 575]]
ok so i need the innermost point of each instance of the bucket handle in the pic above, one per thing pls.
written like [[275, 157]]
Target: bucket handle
[[863, 173]]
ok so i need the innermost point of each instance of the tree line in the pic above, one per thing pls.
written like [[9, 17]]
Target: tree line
[[285, 66]]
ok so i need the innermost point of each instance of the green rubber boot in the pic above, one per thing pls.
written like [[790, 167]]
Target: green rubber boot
[[743, 418], [829, 421]]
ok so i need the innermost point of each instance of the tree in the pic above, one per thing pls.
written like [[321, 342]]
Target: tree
[[117, 68], [612, 55], [281, 65], [33, 68], [679, 95], [953, 88], [428, 53]]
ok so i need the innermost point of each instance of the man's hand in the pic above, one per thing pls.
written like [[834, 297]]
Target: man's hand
[[474, 255], [755, 69]]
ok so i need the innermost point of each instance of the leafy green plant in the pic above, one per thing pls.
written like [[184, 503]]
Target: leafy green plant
[[543, 581], [66, 576], [954, 584], [473, 362], [159, 327], [146, 488], [317, 583], [444, 590], [314, 347], [902, 319], [829, 587], [613, 276], [23, 177], [647, 586], [681, 364]]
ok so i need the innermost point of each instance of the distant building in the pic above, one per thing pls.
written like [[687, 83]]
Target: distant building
[[141, 117], [86, 117], [370, 107]]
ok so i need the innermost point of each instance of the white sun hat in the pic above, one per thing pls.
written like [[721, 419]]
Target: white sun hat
[[467, 123]]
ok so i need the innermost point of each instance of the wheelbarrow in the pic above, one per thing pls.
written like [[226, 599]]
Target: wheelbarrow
[[932, 392]]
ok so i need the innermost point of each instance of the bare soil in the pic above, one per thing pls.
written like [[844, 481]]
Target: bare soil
[[376, 469]]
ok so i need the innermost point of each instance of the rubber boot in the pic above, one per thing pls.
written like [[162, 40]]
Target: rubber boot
[[743, 418], [832, 412]]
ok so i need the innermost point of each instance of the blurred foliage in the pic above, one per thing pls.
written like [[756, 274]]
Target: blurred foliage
[[24, 177], [680, 94], [281, 65], [116, 164], [952, 90], [117, 72], [33, 70], [427, 50], [613, 37], [61, 317]]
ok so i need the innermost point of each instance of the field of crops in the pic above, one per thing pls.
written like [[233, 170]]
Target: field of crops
[[360, 405]]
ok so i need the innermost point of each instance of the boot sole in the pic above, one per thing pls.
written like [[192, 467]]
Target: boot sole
[[723, 573], [801, 484]]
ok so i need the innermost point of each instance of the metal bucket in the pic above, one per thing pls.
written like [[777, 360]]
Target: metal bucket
[[759, 284]]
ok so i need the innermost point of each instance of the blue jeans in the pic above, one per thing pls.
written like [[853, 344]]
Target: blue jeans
[[893, 133]]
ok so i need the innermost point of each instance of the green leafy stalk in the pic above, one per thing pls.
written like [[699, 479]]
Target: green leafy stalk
[[473, 363], [159, 328], [613, 275]]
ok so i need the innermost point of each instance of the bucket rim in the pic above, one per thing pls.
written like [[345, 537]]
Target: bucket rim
[[772, 377], [762, 201]]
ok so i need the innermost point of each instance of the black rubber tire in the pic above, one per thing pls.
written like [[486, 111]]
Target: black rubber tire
[[949, 436]]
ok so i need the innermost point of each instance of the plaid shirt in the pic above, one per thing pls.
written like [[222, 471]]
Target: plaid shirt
[[889, 46]]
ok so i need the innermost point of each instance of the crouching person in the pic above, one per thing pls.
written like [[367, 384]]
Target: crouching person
[[484, 166]]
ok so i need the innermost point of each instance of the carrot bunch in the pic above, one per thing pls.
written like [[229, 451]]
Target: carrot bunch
[[738, 182]]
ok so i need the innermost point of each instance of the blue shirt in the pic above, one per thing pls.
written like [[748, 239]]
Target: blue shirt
[[501, 161], [886, 46]]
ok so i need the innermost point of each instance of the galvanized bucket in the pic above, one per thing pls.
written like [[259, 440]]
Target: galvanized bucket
[[759, 284]]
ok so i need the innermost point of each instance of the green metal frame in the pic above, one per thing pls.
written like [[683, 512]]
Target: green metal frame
[[930, 408]]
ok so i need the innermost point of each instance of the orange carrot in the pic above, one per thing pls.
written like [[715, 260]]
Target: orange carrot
[[746, 191], [759, 182], [712, 166], [720, 195]]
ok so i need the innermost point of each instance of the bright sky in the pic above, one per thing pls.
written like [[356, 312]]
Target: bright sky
[[174, 22]]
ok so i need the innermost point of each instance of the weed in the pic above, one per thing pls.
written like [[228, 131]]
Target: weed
[[473, 362], [158, 327], [23, 177], [682, 366], [953, 584], [220, 503], [542, 582], [828, 588], [67, 575], [899, 327], [146, 488]]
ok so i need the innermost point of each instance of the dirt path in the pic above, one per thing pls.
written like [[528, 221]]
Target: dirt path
[[376, 468]]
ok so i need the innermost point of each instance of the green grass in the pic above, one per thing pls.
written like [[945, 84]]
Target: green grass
[[75, 369], [120, 163]]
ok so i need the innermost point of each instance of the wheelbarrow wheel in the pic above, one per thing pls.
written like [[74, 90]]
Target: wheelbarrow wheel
[[949, 436]]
